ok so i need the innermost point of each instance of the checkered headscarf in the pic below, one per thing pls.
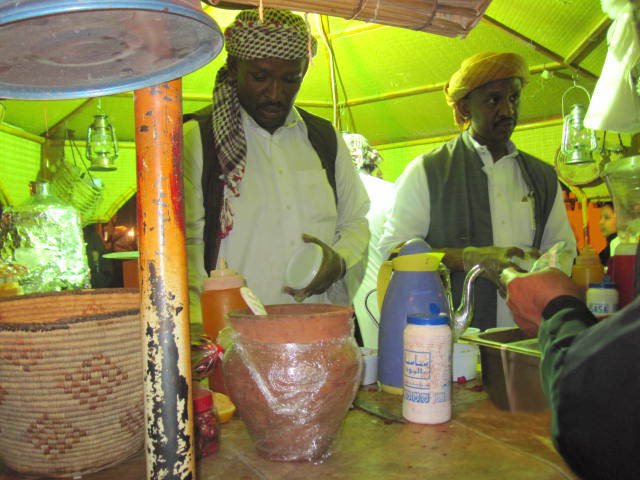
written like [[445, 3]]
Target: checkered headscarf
[[278, 34]]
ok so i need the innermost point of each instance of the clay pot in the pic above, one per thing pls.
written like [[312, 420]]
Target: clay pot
[[293, 375]]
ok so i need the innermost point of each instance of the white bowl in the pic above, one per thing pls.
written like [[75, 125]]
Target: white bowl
[[303, 265]]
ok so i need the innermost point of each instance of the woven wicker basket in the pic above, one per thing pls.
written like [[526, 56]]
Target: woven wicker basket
[[71, 381], [71, 184]]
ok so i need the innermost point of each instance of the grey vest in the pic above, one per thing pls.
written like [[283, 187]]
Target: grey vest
[[460, 213]]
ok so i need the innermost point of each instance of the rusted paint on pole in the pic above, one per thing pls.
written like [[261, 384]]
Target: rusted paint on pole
[[163, 282]]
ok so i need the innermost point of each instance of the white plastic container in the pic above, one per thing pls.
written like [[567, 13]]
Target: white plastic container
[[427, 369], [303, 265], [369, 366], [465, 360], [602, 299]]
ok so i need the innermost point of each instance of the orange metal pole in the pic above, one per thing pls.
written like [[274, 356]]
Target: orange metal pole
[[163, 282]]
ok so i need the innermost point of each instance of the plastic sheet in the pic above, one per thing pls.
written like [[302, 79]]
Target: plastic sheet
[[556, 257], [44, 235], [615, 102], [293, 397]]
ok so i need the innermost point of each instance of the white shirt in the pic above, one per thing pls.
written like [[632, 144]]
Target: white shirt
[[381, 194], [283, 194], [512, 218]]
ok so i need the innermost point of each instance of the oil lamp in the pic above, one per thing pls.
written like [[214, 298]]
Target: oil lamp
[[102, 146], [578, 141]]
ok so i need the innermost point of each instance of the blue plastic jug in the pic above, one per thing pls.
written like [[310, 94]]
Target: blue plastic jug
[[407, 284]]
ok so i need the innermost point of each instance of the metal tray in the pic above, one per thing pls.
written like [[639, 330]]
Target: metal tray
[[510, 369]]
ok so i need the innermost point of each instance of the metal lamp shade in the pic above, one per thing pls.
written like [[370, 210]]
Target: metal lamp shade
[[60, 49]]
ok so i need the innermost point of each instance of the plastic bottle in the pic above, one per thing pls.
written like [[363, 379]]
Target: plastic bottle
[[587, 268], [427, 368], [206, 429], [622, 270], [602, 298], [220, 294], [44, 234]]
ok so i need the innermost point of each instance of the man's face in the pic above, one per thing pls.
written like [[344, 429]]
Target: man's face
[[493, 110], [268, 87]]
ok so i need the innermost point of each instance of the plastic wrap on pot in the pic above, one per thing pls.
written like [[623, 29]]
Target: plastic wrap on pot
[[45, 236], [293, 397]]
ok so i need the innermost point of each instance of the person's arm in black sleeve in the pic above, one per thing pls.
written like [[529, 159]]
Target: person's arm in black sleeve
[[590, 372], [564, 318], [591, 375]]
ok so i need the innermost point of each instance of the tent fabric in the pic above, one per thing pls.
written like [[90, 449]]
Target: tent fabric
[[383, 82]]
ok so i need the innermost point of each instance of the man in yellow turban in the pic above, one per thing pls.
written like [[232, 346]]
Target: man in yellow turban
[[478, 70], [260, 172], [477, 198]]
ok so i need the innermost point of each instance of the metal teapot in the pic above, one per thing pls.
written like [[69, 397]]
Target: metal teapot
[[407, 284]]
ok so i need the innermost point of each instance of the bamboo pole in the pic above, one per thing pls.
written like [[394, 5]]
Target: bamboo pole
[[163, 282]]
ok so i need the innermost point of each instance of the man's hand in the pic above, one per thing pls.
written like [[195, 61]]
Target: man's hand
[[529, 293], [332, 269], [494, 260]]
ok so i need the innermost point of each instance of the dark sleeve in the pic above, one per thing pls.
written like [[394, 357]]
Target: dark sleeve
[[591, 376]]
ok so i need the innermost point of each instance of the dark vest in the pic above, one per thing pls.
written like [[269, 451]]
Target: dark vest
[[460, 212], [321, 135]]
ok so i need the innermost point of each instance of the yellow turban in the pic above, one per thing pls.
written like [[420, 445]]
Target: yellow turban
[[479, 69]]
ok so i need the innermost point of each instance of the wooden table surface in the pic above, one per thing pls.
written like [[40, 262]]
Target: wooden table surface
[[480, 442]]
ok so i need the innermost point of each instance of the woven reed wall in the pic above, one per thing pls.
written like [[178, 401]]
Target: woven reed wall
[[451, 18]]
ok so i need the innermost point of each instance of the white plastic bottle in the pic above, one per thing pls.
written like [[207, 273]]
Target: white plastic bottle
[[427, 369], [602, 298]]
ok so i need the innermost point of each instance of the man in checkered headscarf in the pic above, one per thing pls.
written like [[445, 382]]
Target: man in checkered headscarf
[[262, 176], [279, 34]]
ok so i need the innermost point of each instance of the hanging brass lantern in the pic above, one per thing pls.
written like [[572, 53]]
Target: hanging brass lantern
[[578, 141], [102, 146]]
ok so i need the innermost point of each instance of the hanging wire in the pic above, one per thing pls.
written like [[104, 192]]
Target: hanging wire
[[69, 134], [575, 86], [352, 122], [336, 79], [46, 119], [99, 107], [332, 78]]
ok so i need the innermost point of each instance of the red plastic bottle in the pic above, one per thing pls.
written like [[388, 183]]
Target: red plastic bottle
[[207, 430]]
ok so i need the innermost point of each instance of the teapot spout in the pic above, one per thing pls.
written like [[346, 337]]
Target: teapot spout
[[462, 317]]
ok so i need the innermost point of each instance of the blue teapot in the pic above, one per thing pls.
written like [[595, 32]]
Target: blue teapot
[[408, 284]]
